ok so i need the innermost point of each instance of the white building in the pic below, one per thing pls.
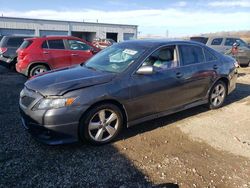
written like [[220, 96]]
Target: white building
[[85, 30]]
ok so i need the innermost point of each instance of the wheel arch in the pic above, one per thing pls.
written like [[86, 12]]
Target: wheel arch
[[33, 64], [225, 80], [109, 101]]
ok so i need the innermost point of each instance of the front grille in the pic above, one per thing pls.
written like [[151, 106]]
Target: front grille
[[26, 100]]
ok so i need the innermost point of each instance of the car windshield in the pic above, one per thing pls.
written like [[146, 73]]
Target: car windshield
[[115, 59]]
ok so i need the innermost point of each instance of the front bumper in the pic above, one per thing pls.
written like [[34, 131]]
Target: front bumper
[[53, 126], [50, 134]]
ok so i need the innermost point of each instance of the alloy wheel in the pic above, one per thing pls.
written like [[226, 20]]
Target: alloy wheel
[[218, 95], [103, 125], [39, 71]]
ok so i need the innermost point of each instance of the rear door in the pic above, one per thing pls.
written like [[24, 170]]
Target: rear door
[[196, 73], [55, 53], [217, 44], [80, 52]]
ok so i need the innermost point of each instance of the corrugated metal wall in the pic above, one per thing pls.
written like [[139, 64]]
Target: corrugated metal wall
[[49, 32], [25, 32]]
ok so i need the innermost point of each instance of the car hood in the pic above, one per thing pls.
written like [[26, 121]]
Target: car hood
[[61, 81]]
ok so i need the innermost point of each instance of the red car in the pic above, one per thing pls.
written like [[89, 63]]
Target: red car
[[103, 43], [38, 55]]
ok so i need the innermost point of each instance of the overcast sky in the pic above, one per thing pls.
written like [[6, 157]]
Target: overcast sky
[[155, 17]]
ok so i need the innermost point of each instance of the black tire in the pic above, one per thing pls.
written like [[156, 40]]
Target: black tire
[[35, 70], [219, 96], [93, 116]]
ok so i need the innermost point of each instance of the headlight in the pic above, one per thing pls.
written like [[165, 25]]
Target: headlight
[[49, 103]]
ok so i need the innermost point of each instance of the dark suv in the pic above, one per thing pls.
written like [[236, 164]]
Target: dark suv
[[8, 48], [124, 85]]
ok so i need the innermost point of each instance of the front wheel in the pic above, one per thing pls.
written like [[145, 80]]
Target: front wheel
[[101, 124], [217, 95]]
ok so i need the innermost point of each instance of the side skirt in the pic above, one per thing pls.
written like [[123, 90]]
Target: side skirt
[[168, 112]]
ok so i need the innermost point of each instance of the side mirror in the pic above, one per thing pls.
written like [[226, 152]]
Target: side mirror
[[145, 70]]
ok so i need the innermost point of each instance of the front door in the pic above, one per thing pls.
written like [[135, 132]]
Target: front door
[[158, 91], [80, 52]]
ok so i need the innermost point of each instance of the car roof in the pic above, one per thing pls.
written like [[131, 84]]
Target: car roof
[[161, 42], [53, 38], [215, 36]]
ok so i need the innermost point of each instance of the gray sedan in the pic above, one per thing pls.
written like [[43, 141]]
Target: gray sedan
[[123, 85]]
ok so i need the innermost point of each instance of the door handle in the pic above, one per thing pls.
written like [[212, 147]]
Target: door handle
[[74, 54], [45, 52], [179, 75], [215, 67]]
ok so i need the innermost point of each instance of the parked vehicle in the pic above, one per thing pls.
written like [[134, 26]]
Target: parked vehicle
[[103, 43], [124, 85], [224, 44], [38, 55], [8, 47]]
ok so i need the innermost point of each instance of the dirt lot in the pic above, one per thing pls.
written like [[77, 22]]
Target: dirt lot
[[194, 148]]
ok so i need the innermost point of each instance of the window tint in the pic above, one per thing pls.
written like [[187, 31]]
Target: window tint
[[200, 39], [56, 44], [217, 41], [209, 56], [191, 54], [231, 41], [14, 42], [25, 44], [45, 45], [163, 58], [78, 45]]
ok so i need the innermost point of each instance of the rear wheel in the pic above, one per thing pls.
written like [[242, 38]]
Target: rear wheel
[[38, 69], [217, 95], [101, 124]]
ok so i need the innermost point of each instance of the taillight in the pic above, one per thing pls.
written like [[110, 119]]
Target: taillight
[[3, 50], [21, 54]]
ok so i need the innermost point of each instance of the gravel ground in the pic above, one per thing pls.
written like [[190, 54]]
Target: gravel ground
[[193, 148]]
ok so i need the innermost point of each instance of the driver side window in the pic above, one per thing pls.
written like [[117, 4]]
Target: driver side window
[[162, 59]]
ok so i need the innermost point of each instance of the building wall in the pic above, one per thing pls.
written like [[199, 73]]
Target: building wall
[[39, 26]]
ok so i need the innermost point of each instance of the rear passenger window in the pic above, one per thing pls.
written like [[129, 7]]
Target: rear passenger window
[[56, 44], [230, 41], [25, 44], [217, 41], [209, 56], [45, 45], [191, 54]]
